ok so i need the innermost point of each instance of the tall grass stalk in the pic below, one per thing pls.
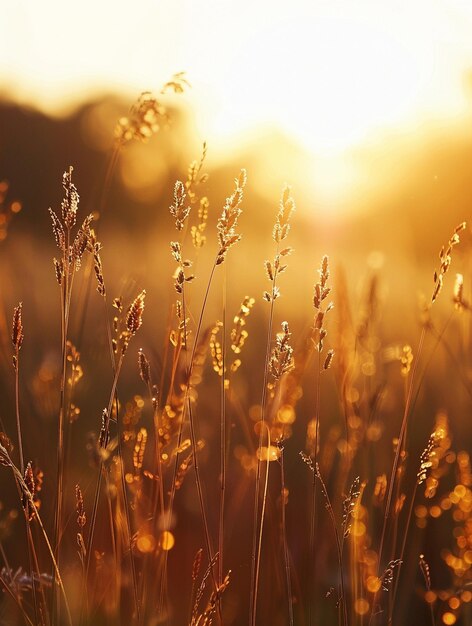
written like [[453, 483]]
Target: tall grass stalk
[[223, 438], [26, 492], [314, 483], [273, 269], [396, 462], [258, 525], [339, 550], [283, 499]]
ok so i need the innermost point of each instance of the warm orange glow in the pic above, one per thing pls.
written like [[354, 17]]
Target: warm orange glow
[[328, 74], [361, 606], [271, 453], [167, 540], [145, 543], [430, 597], [373, 584]]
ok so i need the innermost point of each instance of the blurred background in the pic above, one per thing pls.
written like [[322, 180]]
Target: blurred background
[[364, 108]]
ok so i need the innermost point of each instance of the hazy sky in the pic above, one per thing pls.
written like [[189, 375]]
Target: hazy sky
[[329, 72]]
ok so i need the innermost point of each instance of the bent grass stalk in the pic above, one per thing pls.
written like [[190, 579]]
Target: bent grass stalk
[[17, 340], [17, 601], [6, 460]]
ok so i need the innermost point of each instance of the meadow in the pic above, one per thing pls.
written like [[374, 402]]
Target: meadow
[[209, 418]]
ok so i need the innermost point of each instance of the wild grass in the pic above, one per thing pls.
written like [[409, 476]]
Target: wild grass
[[256, 479]]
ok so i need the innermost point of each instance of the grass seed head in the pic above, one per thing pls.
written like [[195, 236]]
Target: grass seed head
[[134, 317]]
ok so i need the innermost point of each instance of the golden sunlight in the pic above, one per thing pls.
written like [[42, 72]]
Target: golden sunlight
[[329, 74], [235, 312]]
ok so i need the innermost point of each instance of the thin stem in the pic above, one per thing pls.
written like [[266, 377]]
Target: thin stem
[[397, 460], [261, 528], [31, 550], [188, 408], [329, 508], [68, 280], [101, 470], [284, 539], [209, 548], [60, 445], [193, 436], [128, 521], [402, 552], [311, 552], [158, 502], [168, 517], [222, 441], [255, 566], [17, 409], [26, 491], [16, 600]]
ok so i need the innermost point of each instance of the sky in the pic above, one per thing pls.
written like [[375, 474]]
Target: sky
[[329, 73]]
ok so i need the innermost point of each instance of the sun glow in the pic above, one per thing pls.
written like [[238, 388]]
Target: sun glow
[[330, 74], [329, 85]]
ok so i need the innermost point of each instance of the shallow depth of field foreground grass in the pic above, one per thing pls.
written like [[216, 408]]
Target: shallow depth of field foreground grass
[[202, 439]]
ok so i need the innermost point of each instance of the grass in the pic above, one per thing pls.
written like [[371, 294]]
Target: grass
[[258, 478]]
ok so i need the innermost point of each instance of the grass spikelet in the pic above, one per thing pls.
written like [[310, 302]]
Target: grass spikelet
[[103, 438], [70, 203], [321, 292], [30, 484], [426, 458], [227, 223], [280, 232], [17, 335], [445, 258], [197, 563], [195, 177], [328, 360], [389, 572], [58, 231], [80, 509], [144, 367], [281, 360], [349, 504], [134, 317], [282, 224], [186, 465], [178, 210], [148, 114], [94, 248], [424, 567]]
